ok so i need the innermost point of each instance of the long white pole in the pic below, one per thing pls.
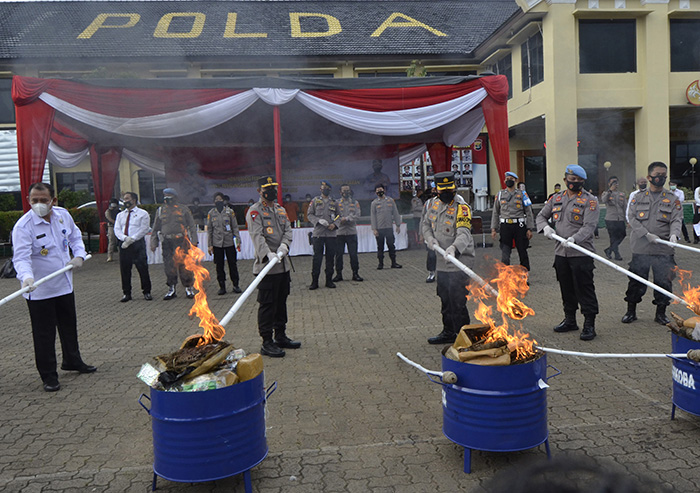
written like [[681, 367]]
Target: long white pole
[[40, 282], [249, 290], [678, 245], [611, 355], [466, 270]]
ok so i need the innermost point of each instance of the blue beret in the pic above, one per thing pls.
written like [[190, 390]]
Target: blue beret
[[170, 191], [575, 169], [510, 173], [325, 183]]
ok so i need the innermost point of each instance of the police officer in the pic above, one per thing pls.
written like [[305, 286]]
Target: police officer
[[271, 234], [512, 214], [323, 214], [655, 213], [615, 203], [446, 223], [575, 214], [224, 239], [383, 212], [175, 224], [349, 211]]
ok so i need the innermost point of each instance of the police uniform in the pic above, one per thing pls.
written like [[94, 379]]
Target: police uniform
[[269, 227], [222, 234], [615, 205], [449, 224], [574, 217], [383, 212], [349, 211], [322, 212], [174, 223], [661, 214], [512, 217]]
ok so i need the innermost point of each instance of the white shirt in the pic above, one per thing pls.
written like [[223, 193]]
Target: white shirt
[[629, 201], [30, 236], [680, 194], [139, 224], [697, 196]]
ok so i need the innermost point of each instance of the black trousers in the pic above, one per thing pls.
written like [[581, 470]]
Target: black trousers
[[388, 236], [617, 230], [172, 270], [135, 255], [327, 243], [230, 253], [351, 242], [47, 316], [452, 290], [273, 291], [575, 276], [517, 232], [662, 267], [431, 260], [685, 231]]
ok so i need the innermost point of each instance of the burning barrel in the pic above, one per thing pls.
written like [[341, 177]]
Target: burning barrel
[[686, 377], [209, 435]]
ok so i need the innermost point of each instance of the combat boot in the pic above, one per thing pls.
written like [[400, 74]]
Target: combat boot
[[588, 332], [443, 337], [314, 284], [380, 265], [631, 314], [569, 323], [338, 277], [282, 341], [269, 348], [356, 277], [661, 317], [222, 287], [170, 294], [431, 277], [394, 264]]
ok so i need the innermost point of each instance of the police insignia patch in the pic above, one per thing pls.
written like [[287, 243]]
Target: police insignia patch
[[269, 231], [253, 214], [594, 205]]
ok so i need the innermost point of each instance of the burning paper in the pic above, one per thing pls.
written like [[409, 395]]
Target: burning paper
[[690, 294]]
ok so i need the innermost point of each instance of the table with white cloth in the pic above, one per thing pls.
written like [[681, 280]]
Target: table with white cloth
[[366, 242]]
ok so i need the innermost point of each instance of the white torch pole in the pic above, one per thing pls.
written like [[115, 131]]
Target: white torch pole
[[249, 290], [40, 282], [678, 245], [466, 270]]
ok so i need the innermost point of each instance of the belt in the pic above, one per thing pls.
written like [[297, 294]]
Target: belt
[[513, 221], [172, 237]]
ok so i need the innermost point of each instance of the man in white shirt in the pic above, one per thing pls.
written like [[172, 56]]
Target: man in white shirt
[[41, 241], [641, 186], [130, 228]]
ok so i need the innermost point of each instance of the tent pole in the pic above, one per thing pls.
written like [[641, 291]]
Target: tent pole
[[278, 150]]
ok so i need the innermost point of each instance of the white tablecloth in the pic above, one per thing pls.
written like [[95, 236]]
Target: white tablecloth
[[366, 242]]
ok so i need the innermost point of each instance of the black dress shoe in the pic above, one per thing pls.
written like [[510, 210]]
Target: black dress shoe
[[287, 343], [356, 277], [221, 291], [329, 284], [125, 298], [52, 386], [271, 349], [566, 325], [236, 289], [442, 338], [396, 266], [618, 257], [81, 368], [380, 266], [662, 319], [338, 278], [147, 297], [314, 285], [629, 317]]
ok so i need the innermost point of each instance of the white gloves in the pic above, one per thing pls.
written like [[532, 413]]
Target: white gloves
[[652, 237], [271, 255], [282, 250], [451, 250], [76, 262], [432, 243], [548, 231], [128, 241], [28, 283], [323, 222], [673, 239], [570, 241]]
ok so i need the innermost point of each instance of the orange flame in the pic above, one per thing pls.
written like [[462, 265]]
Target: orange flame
[[192, 259], [511, 283], [690, 294]]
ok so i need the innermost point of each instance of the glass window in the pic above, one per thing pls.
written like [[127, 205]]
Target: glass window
[[504, 66], [685, 45], [7, 107], [532, 61], [596, 41], [151, 187], [76, 182]]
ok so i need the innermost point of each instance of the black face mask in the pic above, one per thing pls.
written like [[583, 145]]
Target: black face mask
[[128, 204], [169, 200], [219, 206], [269, 195], [657, 181], [574, 186], [345, 195], [643, 187], [325, 191], [380, 194], [510, 183], [447, 196]]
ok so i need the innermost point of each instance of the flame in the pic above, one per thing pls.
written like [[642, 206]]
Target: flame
[[512, 284], [690, 294], [192, 259]]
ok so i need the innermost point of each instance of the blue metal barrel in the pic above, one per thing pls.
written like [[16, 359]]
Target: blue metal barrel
[[686, 377], [496, 408], [203, 436]]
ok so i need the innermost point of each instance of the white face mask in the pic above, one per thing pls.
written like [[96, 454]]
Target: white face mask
[[41, 210]]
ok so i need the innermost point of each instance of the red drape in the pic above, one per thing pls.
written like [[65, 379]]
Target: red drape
[[495, 108], [440, 157], [105, 165]]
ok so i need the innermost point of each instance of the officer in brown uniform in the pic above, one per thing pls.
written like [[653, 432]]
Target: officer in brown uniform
[[323, 214], [349, 211], [174, 223], [655, 213], [512, 215], [447, 223], [615, 203], [383, 212], [575, 214], [271, 234], [224, 239]]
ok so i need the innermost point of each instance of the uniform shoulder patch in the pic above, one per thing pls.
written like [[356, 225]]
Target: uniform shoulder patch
[[464, 217], [253, 214], [678, 205]]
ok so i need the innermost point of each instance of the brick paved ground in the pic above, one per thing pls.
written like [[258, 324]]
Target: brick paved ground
[[347, 415]]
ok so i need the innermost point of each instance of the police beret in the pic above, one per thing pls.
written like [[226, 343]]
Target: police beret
[[170, 191], [325, 183], [576, 170], [510, 173], [445, 180], [267, 181]]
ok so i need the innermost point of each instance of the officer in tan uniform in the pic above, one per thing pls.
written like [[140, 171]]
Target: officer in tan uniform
[[575, 214], [615, 203], [271, 234], [512, 216], [323, 214], [655, 213], [224, 239], [174, 223], [349, 211], [383, 212], [447, 223]]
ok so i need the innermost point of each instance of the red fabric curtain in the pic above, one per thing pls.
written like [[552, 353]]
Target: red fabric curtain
[[495, 108], [440, 157], [66, 138], [105, 165]]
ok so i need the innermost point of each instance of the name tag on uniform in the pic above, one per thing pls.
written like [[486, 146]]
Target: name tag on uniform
[[228, 227]]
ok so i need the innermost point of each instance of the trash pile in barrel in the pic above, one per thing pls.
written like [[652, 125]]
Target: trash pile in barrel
[[474, 345], [688, 328]]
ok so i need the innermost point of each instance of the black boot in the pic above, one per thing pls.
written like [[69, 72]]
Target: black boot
[[338, 277], [380, 265], [588, 332], [271, 349], [394, 265], [443, 337], [222, 287], [631, 314], [282, 341], [569, 323], [608, 253], [356, 277], [314, 284], [661, 317]]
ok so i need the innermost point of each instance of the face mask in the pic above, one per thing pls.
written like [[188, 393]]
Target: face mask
[[447, 196], [169, 200], [658, 181], [673, 187], [325, 191], [380, 194], [510, 183], [269, 195], [574, 186], [219, 206], [41, 210], [128, 204], [345, 195], [643, 187], [112, 206]]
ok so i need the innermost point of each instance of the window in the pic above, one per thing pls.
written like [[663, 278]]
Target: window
[[685, 45], [7, 107], [381, 74], [532, 61], [504, 66], [151, 187], [607, 46], [76, 182]]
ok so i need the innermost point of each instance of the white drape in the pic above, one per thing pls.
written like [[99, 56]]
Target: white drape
[[63, 158], [144, 162], [408, 155]]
